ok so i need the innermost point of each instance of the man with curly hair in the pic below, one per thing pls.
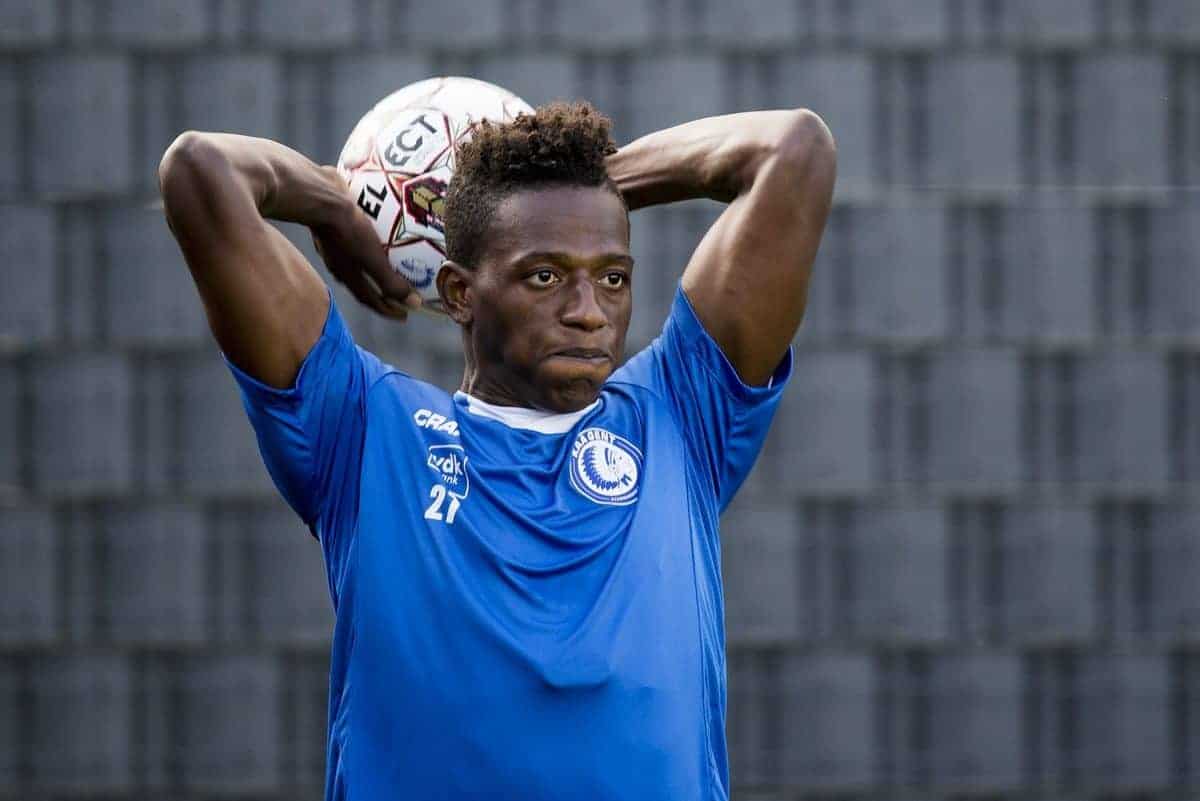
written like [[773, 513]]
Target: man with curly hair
[[525, 573]]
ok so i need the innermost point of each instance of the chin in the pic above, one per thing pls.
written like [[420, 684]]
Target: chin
[[569, 389], [571, 396]]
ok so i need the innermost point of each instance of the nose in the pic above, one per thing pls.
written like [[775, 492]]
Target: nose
[[582, 308]]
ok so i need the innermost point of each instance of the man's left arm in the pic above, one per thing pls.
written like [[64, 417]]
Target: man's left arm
[[748, 278]]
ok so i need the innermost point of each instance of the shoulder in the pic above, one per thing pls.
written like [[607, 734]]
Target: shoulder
[[391, 383], [633, 384]]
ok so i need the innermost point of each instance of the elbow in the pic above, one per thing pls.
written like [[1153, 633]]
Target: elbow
[[808, 152], [179, 161], [181, 150], [808, 140]]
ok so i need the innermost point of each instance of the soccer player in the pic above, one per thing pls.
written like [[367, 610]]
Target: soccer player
[[525, 573]]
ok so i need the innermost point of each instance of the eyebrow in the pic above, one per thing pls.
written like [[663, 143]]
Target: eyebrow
[[562, 256]]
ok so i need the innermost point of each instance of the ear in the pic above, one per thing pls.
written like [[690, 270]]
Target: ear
[[454, 287]]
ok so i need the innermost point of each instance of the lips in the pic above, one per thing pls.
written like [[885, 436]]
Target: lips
[[589, 354]]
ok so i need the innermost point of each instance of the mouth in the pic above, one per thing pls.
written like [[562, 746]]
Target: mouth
[[591, 355]]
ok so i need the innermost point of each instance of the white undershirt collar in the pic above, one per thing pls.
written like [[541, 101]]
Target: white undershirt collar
[[542, 422]]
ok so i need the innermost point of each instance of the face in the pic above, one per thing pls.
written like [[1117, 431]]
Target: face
[[545, 311]]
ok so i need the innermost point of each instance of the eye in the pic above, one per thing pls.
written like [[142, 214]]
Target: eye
[[615, 280], [542, 278]]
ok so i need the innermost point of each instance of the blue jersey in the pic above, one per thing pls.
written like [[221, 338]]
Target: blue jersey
[[528, 605]]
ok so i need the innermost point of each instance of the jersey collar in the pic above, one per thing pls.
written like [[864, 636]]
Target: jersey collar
[[542, 422]]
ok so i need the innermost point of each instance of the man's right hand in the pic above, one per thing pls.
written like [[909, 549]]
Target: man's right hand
[[354, 256]]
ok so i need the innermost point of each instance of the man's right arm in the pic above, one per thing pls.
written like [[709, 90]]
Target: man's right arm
[[266, 304]]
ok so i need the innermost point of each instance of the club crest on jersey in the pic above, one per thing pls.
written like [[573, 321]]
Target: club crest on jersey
[[450, 463], [605, 468]]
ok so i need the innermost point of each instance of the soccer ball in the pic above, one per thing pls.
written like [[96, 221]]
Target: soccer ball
[[398, 161]]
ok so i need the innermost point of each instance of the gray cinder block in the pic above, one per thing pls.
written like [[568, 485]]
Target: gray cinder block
[[821, 439], [766, 24], [29, 581], [901, 429], [28, 280], [14, 133], [461, 23], [896, 565], [13, 423], [1175, 20], [620, 24], [230, 725], [1122, 399], [902, 83], [760, 565], [1185, 696], [1174, 543], [898, 263], [754, 716], [290, 601], [657, 99], [1064, 23], [1122, 132], [239, 93], [975, 140], [82, 424], [310, 24], [156, 574], [535, 77], [1174, 291], [27, 24], [150, 296], [976, 722], [1123, 722], [1049, 271], [1183, 417], [157, 117], [13, 740], [828, 721], [158, 24], [81, 125], [1049, 575], [1124, 269], [1051, 89], [975, 399], [903, 23], [306, 678], [1051, 412], [82, 733]]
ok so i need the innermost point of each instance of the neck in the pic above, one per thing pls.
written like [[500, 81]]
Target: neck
[[488, 388]]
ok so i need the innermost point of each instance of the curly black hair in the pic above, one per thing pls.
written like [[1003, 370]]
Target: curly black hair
[[560, 144]]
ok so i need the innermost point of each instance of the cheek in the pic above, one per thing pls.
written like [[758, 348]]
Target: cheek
[[515, 334], [620, 314]]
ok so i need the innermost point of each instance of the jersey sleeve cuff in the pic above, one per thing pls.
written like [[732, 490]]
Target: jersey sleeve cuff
[[697, 340], [333, 328]]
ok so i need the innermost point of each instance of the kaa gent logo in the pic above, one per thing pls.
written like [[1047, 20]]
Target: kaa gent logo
[[450, 463], [605, 468]]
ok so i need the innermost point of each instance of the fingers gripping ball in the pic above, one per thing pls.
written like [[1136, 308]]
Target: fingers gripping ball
[[398, 162]]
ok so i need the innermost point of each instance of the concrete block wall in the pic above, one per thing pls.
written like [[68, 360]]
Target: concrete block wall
[[967, 560]]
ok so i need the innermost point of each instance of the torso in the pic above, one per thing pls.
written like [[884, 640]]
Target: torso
[[532, 612]]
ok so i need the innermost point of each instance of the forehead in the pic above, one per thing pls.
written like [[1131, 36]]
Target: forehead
[[582, 220]]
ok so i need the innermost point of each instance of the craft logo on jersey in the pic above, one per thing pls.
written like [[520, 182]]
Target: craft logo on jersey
[[605, 468], [450, 463], [435, 422]]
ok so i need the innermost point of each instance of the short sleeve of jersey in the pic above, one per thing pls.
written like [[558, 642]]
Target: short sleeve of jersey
[[723, 419], [310, 435]]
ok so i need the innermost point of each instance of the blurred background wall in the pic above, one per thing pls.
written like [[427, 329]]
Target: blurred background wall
[[968, 562]]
